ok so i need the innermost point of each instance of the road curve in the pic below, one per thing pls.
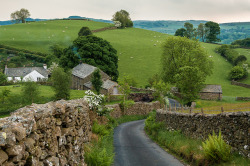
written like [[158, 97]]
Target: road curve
[[134, 148]]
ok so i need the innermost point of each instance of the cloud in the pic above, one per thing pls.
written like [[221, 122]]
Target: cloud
[[215, 10]]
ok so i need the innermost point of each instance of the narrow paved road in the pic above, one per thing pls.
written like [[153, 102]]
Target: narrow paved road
[[134, 148]]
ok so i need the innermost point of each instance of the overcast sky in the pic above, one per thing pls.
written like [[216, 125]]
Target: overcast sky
[[213, 10]]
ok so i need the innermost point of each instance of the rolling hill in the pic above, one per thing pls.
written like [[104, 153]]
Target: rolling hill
[[139, 50]]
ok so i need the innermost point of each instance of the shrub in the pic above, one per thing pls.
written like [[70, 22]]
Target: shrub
[[97, 156], [151, 126], [216, 149], [99, 129], [237, 72], [240, 59]]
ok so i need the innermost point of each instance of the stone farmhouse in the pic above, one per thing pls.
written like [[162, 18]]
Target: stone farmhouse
[[81, 79], [26, 73]]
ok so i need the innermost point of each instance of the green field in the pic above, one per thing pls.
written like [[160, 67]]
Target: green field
[[39, 36], [139, 50]]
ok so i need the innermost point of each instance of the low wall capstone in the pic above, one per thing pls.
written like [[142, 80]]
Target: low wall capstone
[[235, 127]]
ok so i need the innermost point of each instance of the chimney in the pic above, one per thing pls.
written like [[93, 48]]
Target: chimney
[[45, 66]]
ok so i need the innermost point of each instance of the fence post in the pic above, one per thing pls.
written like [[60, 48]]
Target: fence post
[[222, 109], [169, 107], [175, 107], [181, 108], [190, 111], [202, 111]]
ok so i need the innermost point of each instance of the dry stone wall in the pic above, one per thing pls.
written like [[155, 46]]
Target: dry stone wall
[[138, 108], [235, 127], [48, 134], [53, 133]]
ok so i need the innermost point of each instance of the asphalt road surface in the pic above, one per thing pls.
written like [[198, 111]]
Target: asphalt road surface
[[134, 148]]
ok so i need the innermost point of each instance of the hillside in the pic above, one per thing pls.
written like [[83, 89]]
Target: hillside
[[139, 50], [229, 31]]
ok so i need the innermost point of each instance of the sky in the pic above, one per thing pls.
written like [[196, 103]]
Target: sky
[[220, 11]]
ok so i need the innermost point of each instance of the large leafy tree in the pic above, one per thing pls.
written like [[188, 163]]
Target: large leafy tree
[[180, 32], [185, 64], [190, 30], [94, 51], [201, 31], [20, 16], [30, 91], [212, 30], [123, 17]]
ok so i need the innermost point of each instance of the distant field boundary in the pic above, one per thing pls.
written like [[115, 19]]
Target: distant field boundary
[[240, 84], [103, 29], [38, 56]]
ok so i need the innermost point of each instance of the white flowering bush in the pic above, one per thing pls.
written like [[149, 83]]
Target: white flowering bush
[[95, 103], [93, 99]]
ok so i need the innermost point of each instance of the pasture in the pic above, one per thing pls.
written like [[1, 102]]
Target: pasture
[[139, 50]]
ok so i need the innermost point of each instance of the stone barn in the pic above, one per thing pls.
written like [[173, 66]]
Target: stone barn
[[211, 92], [81, 79]]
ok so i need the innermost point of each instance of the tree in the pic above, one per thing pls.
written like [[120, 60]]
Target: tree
[[5, 94], [20, 16], [237, 73], [61, 82], [94, 51], [3, 78], [96, 81], [180, 32], [84, 31], [190, 30], [212, 29], [201, 31], [30, 91], [240, 59], [124, 18], [124, 87], [180, 57]]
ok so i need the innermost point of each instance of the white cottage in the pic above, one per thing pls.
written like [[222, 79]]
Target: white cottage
[[26, 73]]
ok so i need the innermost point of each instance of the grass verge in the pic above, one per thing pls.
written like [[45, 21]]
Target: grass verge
[[190, 150]]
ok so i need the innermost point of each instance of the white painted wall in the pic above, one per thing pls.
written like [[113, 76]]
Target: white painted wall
[[33, 76], [15, 80]]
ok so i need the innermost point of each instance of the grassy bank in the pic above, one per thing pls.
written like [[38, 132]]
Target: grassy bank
[[185, 148]]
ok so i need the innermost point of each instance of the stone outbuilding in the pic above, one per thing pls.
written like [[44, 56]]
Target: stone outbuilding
[[211, 92], [81, 79]]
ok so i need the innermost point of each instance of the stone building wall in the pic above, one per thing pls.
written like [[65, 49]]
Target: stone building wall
[[78, 83], [210, 96], [53, 133], [235, 127]]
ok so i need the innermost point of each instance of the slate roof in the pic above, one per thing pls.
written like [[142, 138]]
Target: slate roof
[[109, 84], [212, 89], [23, 71], [207, 89], [83, 70], [106, 84]]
